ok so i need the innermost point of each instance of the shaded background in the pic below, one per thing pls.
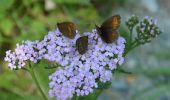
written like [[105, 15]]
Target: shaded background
[[32, 19]]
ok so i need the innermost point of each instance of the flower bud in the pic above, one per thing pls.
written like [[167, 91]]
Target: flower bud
[[147, 29]]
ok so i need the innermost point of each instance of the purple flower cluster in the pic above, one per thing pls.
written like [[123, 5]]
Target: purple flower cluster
[[80, 73], [22, 53]]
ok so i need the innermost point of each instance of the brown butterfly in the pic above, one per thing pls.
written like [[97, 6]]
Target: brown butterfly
[[82, 44], [107, 31], [68, 29]]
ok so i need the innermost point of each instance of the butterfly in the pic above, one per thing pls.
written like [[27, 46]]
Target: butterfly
[[108, 30], [82, 44], [68, 29]]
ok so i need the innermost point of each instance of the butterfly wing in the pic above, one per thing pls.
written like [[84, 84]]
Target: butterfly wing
[[68, 29], [111, 23], [109, 35], [82, 44]]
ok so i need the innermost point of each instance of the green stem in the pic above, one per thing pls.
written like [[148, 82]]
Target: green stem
[[134, 46], [31, 71], [77, 98], [130, 40], [134, 42], [131, 48]]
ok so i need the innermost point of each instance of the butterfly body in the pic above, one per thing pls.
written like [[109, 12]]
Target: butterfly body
[[108, 30], [68, 29]]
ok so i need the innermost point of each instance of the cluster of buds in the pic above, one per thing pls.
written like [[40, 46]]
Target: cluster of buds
[[147, 29], [132, 22]]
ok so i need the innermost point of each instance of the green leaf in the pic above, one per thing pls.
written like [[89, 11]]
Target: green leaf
[[37, 27], [10, 81], [27, 2], [104, 85], [92, 96], [8, 95], [121, 70], [83, 2], [34, 30], [2, 15], [37, 9], [6, 25], [42, 76], [5, 4], [6, 80]]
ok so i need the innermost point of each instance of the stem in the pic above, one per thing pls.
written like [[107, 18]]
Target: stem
[[31, 71], [132, 47], [131, 44], [134, 42], [130, 40], [77, 98]]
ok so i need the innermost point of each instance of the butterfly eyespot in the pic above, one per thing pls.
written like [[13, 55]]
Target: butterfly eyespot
[[82, 44], [68, 29]]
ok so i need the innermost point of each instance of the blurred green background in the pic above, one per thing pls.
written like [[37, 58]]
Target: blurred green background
[[32, 19]]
